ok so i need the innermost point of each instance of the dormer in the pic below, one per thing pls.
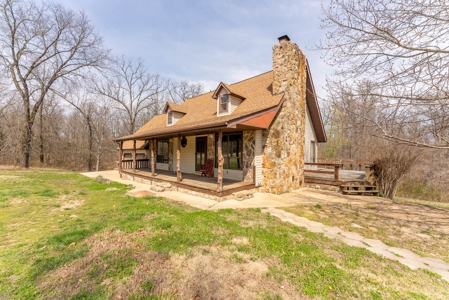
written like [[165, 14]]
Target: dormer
[[227, 100], [174, 112]]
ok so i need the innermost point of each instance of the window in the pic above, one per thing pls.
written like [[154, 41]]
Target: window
[[223, 105], [232, 151], [170, 117], [162, 151], [127, 156]]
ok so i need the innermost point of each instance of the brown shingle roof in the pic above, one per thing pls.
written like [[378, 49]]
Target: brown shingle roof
[[175, 107], [201, 111]]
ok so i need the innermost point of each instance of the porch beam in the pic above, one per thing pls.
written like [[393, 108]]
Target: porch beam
[[220, 161], [152, 156], [178, 160], [134, 155], [120, 155]]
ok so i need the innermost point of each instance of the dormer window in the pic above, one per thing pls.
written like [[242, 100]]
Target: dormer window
[[224, 103], [170, 117]]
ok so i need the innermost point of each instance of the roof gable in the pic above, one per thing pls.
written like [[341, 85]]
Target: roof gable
[[174, 107], [229, 90]]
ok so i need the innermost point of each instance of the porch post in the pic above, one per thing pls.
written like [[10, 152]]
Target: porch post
[[134, 156], [178, 162], [120, 155], [152, 156], [220, 161]]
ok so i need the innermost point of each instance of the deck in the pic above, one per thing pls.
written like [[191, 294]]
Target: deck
[[193, 182]]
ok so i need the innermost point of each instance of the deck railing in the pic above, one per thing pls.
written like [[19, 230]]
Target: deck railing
[[335, 167], [140, 163], [347, 164]]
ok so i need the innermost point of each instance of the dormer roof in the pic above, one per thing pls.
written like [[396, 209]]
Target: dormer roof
[[175, 107], [233, 91]]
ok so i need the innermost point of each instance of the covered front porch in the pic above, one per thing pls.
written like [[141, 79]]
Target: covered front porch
[[191, 182], [227, 154]]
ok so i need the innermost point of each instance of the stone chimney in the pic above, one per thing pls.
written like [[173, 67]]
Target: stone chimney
[[287, 60], [283, 154]]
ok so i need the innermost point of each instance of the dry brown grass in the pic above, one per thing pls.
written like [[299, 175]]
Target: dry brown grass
[[202, 273], [418, 228]]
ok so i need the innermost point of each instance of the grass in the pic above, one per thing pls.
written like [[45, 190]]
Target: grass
[[418, 226], [65, 236]]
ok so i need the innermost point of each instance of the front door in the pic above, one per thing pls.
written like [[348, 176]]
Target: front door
[[200, 152]]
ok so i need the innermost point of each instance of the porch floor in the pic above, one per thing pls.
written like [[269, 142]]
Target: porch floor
[[191, 180]]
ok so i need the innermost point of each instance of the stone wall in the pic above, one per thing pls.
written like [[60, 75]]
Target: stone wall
[[211, 146], [283, 153], [249, 141], [170, 154]]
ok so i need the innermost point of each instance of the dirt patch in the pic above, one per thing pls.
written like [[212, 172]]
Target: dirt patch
[[9, 177], [141, 194], [203, 273], [17, 201], [242, 240]]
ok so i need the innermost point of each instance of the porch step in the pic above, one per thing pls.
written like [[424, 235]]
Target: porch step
[[242, 195], [156, 188], [165, 185], [362, 189]]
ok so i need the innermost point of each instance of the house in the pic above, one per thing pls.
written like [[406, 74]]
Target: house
[[258, 131]]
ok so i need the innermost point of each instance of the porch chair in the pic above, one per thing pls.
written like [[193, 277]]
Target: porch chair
[[207, 169]]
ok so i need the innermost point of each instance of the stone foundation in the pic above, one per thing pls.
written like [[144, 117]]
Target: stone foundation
[[153, 183]]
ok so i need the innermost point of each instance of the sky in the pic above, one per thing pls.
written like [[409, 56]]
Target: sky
[[207, 41]]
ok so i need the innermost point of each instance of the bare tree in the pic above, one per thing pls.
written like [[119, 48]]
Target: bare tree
[[134, 90], [102, 117], [401, 47], [42, 43], [183, 90]]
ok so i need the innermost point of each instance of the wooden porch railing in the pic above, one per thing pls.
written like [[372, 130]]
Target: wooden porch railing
[[347, 164], [335, 171], [140, 163]]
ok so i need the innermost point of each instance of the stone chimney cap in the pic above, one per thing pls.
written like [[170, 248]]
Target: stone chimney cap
[[283, 38]]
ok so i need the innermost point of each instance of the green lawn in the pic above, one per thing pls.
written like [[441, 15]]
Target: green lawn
[[65, 236]]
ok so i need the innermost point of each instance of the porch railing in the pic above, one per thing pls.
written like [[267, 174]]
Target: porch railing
[[142, 163], [335, 167], [347, 164]]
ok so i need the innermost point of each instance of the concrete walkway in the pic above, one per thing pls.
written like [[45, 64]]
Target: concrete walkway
[[406, 257], [304, 196]]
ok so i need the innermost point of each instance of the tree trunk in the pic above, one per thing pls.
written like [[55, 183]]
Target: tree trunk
[[27, 137], [41, 136], [120, 155], [97, 166], [178, 163], [134, 156], [220, 161], [90, 144], [152, 156]]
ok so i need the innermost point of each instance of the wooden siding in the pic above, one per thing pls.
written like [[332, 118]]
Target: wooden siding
[[309, 137], [258, 158]]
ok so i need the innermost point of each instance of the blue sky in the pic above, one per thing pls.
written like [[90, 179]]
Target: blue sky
[[207, 41]]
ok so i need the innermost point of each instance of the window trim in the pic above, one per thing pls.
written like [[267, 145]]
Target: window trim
[[170, 117], [220, 103], [159, 155], [240, 158]]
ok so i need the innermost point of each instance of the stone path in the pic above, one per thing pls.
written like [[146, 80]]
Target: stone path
[[406, 257]]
